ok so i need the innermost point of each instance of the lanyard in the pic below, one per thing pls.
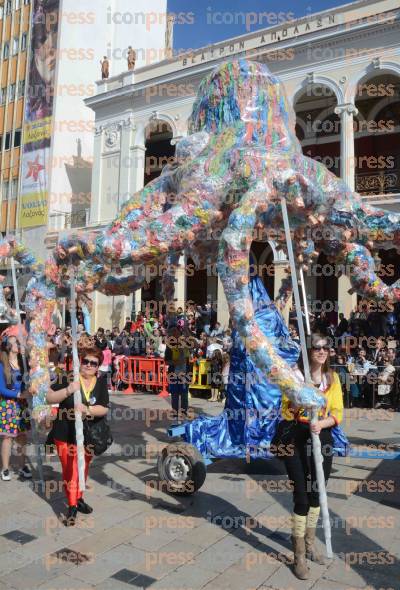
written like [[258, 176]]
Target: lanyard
[[88, 391]]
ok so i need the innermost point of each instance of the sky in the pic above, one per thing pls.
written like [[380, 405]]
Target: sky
[[202, 22]]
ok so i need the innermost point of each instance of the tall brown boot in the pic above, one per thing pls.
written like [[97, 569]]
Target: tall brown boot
[[311, 552], [312, 520], [300, 567]]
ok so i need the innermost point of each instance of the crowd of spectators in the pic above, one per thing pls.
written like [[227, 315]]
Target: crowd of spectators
[[364, 350], [146, 335]]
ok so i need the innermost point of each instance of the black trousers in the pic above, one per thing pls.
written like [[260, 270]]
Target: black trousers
[[300, 467], [179, 397]]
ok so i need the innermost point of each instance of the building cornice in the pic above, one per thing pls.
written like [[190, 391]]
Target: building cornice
[[383, 7], [328, 38], [175, 103]]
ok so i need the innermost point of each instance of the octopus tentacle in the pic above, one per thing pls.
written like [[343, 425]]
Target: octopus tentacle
[[360, 268], [233, 268]]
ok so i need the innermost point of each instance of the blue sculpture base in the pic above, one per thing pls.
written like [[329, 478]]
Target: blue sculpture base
[[248, 422]]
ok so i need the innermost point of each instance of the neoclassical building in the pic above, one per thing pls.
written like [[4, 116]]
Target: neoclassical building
[[341, 70]]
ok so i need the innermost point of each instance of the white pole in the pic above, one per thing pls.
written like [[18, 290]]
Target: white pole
[[35, 437], [316, 443], [77, 394], [303, 290], [184, 287], [63, 312]]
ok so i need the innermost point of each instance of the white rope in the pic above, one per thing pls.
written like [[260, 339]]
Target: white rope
[[77, 394]]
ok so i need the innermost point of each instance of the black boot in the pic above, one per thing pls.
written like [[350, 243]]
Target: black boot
[[71, 516], [83, 507]]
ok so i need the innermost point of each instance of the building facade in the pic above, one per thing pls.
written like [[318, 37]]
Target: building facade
[[341, 70], [14, 43], [58, 133]]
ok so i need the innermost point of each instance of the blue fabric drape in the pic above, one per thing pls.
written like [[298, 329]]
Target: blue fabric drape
[[252, 408]]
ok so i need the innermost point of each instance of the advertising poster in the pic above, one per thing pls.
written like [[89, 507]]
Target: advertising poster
[[39, 114]]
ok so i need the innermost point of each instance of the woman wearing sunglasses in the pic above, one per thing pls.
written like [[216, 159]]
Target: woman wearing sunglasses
[[299, 462], [94, 405]]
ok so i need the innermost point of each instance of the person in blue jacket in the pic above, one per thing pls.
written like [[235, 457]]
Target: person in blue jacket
[[14, 421]]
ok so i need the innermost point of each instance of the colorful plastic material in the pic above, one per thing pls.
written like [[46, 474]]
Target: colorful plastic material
[[240, 157], [246, 426]]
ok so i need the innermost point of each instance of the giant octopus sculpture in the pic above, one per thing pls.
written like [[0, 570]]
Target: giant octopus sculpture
[[240, 157]]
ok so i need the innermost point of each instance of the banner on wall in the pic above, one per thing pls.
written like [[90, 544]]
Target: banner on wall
[[38, 118]]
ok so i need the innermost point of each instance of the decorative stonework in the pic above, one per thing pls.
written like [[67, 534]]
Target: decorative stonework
[[376, 183], [113, 129], [129, 123], [138, 148], [348, 109], [112, 135], [376, 63], [310, 78], [319, 80]]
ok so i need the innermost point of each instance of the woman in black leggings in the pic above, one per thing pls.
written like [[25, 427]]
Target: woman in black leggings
[[300, 465]]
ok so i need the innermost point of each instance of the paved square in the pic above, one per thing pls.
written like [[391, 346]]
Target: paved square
[[233, 533]]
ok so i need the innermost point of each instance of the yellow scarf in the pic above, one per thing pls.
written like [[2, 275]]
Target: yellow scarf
[[88, 391]]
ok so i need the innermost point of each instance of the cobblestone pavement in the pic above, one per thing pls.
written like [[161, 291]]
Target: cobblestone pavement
[[233, 533]]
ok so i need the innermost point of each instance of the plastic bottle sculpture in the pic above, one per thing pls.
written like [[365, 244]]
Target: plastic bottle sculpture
[[240, 158]]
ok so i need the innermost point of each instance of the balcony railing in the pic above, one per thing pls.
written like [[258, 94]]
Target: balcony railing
[[378, 184]]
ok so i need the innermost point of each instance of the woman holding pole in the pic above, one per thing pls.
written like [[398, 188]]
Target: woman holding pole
[[94, 405], [299, 463]]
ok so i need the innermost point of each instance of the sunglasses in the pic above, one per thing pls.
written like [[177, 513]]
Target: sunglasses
[[89, 363], [318, 348]]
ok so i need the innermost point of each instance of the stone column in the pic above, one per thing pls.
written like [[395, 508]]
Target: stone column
[[180, 285], [222, 306], [347, 161], [137, 300], [137, 162], [128, 305], [347, 112], [95, 203], [96, 214], [346, 302], [136, 182], [127, 164], [102, 313], [279, 275], [212, 289]]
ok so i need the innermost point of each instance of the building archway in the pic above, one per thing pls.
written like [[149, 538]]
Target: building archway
[[196, 284], [262, 265], [159, 152], [318, 126], [326, 293], [318, 129], [376, 67], [377, 134], [318, 86]]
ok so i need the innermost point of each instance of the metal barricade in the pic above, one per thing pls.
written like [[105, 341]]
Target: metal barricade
[[147, 371], [201, 378]]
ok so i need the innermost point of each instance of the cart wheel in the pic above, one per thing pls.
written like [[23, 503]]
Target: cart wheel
[[182, 468]]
